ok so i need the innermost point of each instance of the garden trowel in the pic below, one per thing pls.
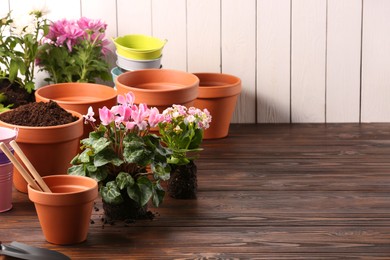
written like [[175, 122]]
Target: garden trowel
[[23, 251]]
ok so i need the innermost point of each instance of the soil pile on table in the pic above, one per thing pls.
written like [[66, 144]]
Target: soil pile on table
[[38, 114]]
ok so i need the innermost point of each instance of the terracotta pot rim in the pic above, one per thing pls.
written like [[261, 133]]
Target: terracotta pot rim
[[159, 87], [74, 113], [39, 91], [61, 198], [226, 85], [120, 78]]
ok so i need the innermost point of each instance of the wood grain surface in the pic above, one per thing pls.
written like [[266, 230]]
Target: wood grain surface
[[271, 191]]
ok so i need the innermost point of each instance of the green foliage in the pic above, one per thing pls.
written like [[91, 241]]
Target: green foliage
[[182, 132], [80, 65], [19, 47], [120, 167]]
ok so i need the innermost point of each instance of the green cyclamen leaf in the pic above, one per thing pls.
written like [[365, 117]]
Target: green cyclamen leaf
[[124, 180], [100, 145], [111, 194], [158, 195], [77, 170], [146, 190]]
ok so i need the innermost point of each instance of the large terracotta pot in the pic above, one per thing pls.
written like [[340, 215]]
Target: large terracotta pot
[[49, 148], [218, 93], [79, 97], [159, 88], [65, 214]]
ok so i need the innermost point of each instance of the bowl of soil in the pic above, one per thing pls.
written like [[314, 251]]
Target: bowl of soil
[[48, 134]]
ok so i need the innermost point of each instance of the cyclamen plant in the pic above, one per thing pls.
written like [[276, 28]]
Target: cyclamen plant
[[118, 152], [75, 51], [182, 131]]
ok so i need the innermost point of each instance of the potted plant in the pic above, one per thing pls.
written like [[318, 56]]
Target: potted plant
[[126, 159], [48, 134], [74, 51], [182, 132], [18, 48]]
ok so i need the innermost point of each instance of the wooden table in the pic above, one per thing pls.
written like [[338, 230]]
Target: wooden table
[[273, 191]]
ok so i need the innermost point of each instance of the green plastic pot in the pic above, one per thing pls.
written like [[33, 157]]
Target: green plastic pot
[[139, 46]]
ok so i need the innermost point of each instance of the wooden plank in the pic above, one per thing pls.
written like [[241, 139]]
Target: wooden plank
[[308, 60], [69, 9], [203, 33], [169, 22], [273, 61], [238, 41], [134, 17], [343, 61], [4, 7], [376, 62], [103, 10]]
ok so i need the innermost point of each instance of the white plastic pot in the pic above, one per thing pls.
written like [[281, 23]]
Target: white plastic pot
[[131, 65]]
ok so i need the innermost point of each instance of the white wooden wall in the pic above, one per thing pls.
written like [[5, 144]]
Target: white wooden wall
[[299, 60]]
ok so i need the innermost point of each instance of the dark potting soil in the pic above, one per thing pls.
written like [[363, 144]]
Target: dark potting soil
[[38, 114], [15, 95], [183, 182]]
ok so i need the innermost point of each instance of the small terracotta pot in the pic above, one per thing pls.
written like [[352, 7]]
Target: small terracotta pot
[[159, 88], [79, 97], [50, 149], [65, 213], [218, 93]]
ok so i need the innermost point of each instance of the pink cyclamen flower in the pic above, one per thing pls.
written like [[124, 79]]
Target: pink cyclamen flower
[[139, 115], [106, 116], [130, 125], [155, 117], [122, 113], [126, 99]]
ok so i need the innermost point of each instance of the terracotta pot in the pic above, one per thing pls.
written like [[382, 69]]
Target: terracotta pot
[[159, 88], [65, 214], [79, 97], [218, 93], [50, 149]]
